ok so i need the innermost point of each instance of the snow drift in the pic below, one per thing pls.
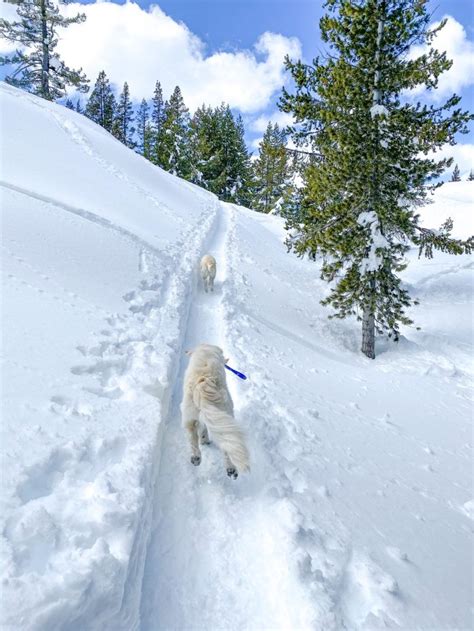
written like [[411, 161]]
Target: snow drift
[[358, 512]]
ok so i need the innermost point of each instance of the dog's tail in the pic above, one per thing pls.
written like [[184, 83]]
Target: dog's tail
[[224, 429]]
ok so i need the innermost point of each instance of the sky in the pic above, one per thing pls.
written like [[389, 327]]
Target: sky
[[233, 51]]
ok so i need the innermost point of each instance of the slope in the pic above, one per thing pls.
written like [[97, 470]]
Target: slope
[[358, 511]]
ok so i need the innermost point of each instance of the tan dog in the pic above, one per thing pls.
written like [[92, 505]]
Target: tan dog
[[207, 404], [208, 271]]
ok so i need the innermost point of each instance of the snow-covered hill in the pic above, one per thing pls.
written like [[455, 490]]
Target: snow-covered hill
[[358, 511]]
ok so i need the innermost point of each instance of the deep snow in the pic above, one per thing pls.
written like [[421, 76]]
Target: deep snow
[[358, 511]]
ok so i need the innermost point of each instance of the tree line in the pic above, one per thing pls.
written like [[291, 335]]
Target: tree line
[[207, 148]]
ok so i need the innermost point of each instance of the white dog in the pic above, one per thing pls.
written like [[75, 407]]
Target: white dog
[[207, 404], [208, 271]]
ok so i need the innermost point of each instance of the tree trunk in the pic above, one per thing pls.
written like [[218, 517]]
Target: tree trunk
[[368, 335], [45, 48], [368, 318]]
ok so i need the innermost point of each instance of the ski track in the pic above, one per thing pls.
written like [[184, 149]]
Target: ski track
[[216, 542]]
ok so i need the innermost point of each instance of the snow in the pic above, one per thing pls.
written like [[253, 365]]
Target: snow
[[55, 64], [378, 110], [357, 513], [373, 260]]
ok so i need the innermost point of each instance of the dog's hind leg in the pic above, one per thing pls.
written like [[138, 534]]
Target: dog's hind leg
[[192, 428], [230, 467], [204, 435], [190, 414]]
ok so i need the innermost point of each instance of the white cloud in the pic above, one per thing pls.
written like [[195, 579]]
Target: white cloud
[[463, 156], [8, 12], [140, 46], [259, 124], [452, 39]]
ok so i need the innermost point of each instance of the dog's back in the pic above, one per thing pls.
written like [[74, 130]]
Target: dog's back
[[208, 271], [206, 395]]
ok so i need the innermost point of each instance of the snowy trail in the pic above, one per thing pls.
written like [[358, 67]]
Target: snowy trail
[[218, 548]]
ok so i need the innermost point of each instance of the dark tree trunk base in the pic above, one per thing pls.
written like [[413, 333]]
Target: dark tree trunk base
[[368, 335]]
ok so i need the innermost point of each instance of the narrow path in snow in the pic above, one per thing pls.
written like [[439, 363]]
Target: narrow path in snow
[[218, 552]]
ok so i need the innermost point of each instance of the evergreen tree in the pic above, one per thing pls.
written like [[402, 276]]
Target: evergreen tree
[[79, 109], [371, 168], [220, 161], [122, 127], [37, 67], [206, 148], [271, 171], [456, 176], [471, 176], [239, 182], [173, 153], [144, 130], [101, 104], [157, 121], [69, 104]]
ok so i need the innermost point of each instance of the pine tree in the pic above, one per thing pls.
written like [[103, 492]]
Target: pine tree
[[206, 148], [122, 127], [79, 109], [456, 176], [157, 121], [173, 153], [69, 104], [220, 161], [38, 68], [240, 173], [101, 104], [370, 169], [144, 130], [271, 171], [470, 176]]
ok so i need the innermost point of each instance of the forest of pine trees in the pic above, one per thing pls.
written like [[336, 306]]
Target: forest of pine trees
[[207, 148]]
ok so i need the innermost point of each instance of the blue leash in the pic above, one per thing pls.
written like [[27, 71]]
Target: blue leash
[[236, 372]]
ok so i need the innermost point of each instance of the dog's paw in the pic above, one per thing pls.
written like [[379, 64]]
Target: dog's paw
[[196, 460], [232, 473]]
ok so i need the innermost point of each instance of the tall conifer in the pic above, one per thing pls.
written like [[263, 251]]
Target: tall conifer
[[272, 170], [373, 164], [37, 66], [122, 127], [101, 104]]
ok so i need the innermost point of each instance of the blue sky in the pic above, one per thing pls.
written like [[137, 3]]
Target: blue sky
[[232, 24]]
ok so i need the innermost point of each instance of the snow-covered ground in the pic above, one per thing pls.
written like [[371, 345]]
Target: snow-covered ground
[[358, 512]]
